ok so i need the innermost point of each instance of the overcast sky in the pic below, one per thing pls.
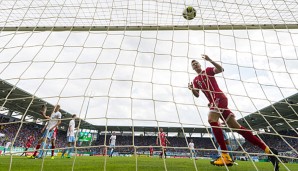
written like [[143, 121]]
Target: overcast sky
[[142, 76]]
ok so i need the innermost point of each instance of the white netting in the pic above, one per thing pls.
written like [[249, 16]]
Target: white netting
[[144, 13], [136, 75]]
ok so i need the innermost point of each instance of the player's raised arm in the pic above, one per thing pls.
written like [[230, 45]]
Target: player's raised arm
[[168, 141], [194, 91], [47, 117], [218, 68], [43, 111], [44, 127]]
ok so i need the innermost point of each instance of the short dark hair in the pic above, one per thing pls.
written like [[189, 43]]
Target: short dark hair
[[193, 61], [74, 115]]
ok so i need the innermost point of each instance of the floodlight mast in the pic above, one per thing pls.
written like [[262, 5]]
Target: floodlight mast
[[151, 28]]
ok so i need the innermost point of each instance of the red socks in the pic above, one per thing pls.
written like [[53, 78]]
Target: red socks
[[37, 147], [247, 134], [218, 135], [53, 147]]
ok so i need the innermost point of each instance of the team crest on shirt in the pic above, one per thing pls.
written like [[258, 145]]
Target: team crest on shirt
[[199, 83]]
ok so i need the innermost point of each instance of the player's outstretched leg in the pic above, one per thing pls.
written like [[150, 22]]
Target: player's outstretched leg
[[160, 155], [225, 158], [274, 159], [213, 160], [69, 152], [25, 152], [41, 151], [111, 152], [247, 134], [35, 152], [52, 152], [49, 146], [219, 155], [64, 151], [194, 154]]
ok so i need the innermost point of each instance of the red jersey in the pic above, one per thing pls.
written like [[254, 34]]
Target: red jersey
[[151, 149], [206, 82], [162, 138], [30, 140]]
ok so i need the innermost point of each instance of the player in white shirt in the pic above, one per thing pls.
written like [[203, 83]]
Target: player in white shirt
[[112, 143], [191, 147], [70, 137], [54, 121], [7, 145], [52, 142]]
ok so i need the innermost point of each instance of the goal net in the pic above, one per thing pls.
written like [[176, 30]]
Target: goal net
[[123, 68]]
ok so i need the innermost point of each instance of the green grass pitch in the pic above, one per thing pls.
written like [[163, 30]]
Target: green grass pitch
[[95, 163]]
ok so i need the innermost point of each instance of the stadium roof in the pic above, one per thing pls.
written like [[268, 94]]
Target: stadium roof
[[18, 100], [282, 115]]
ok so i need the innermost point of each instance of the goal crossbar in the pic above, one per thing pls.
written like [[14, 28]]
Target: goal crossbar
[[148, 28]]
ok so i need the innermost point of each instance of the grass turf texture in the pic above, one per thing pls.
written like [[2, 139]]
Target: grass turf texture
[[127, 164]]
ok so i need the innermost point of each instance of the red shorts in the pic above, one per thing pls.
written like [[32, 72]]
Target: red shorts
[[220, 105]]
